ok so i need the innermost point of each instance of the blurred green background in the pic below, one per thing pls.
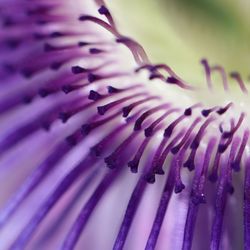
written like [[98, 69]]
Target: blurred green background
[[181, 32]]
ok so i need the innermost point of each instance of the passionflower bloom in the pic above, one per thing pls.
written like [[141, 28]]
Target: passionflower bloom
[[100, 148]]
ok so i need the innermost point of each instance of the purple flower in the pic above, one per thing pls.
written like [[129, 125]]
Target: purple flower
[[102, 149]]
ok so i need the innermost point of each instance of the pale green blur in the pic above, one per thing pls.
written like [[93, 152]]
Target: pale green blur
[[181, 32]]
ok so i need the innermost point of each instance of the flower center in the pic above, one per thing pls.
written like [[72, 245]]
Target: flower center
[[178, 42], [182, 32]]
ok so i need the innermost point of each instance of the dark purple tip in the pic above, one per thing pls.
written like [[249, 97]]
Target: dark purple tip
[[9, 67], [213, 177], [230, 188], [56, 65], [148, 132], [27, 73], [179, 187], [150, 178], [67, 89], [82, 44], [71, 140], [27, 99], [38, 36], [236, 166], [93, 77], [97, 150], [155, 76], [206, 112], [46, 125], [188, 112], [172, 79], [95, 51], [168, 131], [56, 34], [83, 18], [222, 148], [94, 95], [13, 43], [175, 150], [103, 10], [195, 144], [78, 70], [221, 111], [234, 74], [227, 134], [159, 171], [43, 92], [48, 47], [111, 162], [133, 165], [189, 164], [126, 111], [41, 22], [102, 110], [122, 40], [137, 126], [64, 116], [112, 90], [86, 129], [198, 199]]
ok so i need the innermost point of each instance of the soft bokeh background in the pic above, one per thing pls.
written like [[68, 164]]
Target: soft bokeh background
[[181, 32]]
